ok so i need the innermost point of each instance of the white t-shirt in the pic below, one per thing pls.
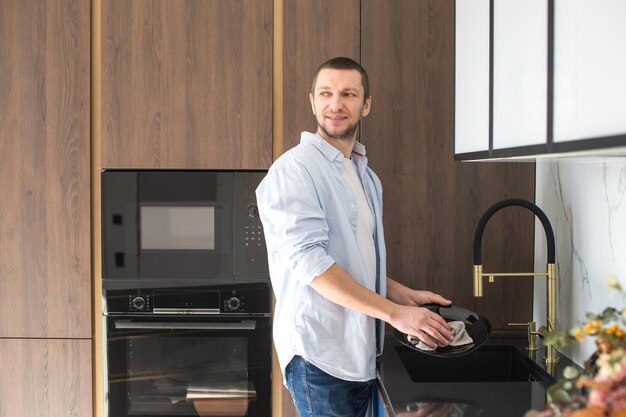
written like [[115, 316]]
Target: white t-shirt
[[365, 220]]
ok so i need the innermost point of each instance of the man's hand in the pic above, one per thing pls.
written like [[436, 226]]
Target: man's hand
[[418, 298], [429, 327], [411, 319], [401, 294]]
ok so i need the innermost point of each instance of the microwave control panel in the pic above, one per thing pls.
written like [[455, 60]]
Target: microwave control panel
[[249, 247]]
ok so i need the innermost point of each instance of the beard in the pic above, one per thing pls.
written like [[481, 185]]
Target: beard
[[347, 133]]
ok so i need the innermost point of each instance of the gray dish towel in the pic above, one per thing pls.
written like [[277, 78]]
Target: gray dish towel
[[458, 331]]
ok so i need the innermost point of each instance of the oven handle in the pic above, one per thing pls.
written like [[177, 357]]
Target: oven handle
[[127, 324]]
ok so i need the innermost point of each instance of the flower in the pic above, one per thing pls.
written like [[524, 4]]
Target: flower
[[612, 282], [602, 392]]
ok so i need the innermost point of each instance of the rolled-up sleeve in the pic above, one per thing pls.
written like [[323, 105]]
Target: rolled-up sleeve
[[294, 222]]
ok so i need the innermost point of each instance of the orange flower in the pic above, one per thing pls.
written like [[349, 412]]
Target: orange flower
[[588, 412], [578, 333], [592, 327]]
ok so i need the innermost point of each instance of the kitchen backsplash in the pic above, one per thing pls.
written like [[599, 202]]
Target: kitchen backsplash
[[585, 201]]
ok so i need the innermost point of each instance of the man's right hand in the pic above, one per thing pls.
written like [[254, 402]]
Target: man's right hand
[[429, 327]]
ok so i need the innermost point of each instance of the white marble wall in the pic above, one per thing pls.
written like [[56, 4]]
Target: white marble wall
[[585, 201]]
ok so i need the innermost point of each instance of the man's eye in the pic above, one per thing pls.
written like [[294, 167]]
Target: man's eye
[[324, 93]]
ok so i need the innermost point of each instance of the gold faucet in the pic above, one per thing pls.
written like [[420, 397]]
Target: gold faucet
[[550, 274], [532, 332]]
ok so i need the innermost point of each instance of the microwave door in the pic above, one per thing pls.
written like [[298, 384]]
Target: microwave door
[[187, 225], [168, 225], [192, 242]]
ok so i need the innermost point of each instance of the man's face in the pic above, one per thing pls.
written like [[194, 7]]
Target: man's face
[[338, 103]]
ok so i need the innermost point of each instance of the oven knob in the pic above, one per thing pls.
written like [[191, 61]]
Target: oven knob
[[138, 303], [233, 303]]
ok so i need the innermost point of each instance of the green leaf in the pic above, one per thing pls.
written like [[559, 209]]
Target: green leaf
[[609, 314], [559, 340], [558, 394]]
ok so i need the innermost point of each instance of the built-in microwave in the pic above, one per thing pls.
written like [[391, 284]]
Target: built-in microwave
[[181, 228]]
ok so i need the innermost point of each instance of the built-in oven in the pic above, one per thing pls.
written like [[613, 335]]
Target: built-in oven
[[173, 228], [202, 351]]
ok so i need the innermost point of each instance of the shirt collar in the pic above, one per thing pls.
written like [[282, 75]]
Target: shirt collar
[[359, 149], [328, 150]]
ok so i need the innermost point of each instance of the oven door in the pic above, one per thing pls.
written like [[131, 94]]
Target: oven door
[[167, 225], [187, 366]]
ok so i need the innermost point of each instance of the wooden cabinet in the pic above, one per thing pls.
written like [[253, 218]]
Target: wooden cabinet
[[45, 377], [187, 84], [45, 261], [314, 31], [432, 203]]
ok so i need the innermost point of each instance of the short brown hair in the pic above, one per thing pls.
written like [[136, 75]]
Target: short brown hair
[[344, 63]]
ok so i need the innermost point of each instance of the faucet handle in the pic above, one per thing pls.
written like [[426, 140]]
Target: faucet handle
[[526, 324], [543, 332], [531, 333]]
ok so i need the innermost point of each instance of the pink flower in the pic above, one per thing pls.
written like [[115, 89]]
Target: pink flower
[[598, 398], [618, 401]]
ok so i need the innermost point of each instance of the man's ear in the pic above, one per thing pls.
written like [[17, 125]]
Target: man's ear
[[312, 104], [366, 107]]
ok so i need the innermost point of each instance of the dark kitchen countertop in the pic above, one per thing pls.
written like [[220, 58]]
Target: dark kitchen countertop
[[406, 398]]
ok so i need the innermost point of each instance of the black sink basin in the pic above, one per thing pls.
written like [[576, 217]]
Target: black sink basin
[[486, 364]]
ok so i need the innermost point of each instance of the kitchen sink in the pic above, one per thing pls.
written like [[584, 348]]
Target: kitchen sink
[[497, 363]]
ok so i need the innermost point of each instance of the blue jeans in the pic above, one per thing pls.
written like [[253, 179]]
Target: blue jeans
[[317, 394]]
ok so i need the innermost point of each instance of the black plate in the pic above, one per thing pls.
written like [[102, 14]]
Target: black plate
[[478, 328]]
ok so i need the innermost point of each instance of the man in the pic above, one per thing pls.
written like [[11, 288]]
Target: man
[[321, 208]]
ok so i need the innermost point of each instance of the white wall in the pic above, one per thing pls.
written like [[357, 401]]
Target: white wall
[[586, 203]]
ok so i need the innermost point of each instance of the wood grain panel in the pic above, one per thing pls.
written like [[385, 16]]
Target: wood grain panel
[[44, 169], [187, 83], [97, 359], [432, 204], [45, 377], [315, 31]]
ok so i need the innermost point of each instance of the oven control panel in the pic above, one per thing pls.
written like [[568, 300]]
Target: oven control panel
[[243, 299]]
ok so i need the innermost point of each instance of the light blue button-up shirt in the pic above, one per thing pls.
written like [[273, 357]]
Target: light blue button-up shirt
[[309, 216]]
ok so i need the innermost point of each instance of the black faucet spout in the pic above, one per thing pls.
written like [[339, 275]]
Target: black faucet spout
[[478, 235]]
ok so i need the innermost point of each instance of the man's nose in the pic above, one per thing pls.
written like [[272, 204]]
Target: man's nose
[[336, 103]]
